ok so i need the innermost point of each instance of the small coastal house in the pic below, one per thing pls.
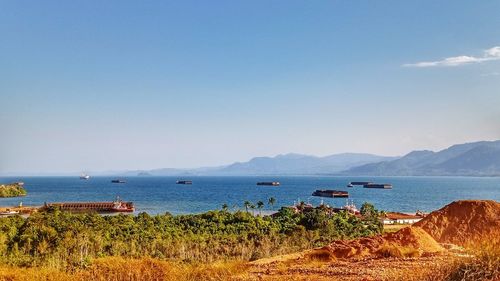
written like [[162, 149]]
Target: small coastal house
[[400, 218]]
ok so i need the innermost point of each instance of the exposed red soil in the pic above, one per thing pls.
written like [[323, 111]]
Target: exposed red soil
[[345, 270], [409, 240], [463, 222]]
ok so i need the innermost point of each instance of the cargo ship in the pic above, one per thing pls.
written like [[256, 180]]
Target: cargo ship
[[184, 182], [118, 181], [352, 183], [270, 183], [330, 193], [101, 207], [378, 185]]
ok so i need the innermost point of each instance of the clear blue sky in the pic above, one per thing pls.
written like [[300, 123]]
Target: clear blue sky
[[98, 85]]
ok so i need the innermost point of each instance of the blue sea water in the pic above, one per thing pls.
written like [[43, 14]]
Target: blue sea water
[[156, 195]]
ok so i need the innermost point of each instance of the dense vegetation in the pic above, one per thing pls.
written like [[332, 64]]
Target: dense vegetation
[[12, 190], [64, 240]]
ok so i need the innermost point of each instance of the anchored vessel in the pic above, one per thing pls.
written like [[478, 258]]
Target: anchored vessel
[[118, 181], [330, 193], [107, 207], [378, 185], [352, 183], [84, 177], [272, 183], [184, 182]]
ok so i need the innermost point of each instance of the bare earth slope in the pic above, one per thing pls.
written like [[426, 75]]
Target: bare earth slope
[[463, 222], [409, 240]]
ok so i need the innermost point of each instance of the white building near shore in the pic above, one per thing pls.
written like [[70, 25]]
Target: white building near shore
[[400, 218]]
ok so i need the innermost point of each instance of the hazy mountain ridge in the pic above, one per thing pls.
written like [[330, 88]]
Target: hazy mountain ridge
[[283, 164], [469, 159], [297, 164]]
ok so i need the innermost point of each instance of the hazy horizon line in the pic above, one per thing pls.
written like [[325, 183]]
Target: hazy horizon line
[[116, 171]]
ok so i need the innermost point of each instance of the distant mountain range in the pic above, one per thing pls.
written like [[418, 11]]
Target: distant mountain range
[[288, 164], [298, 164], [469, 159]]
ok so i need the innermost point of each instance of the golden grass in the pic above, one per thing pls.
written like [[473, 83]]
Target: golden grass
[[11, 273], [121, 269], [481, 261], [483, 264]]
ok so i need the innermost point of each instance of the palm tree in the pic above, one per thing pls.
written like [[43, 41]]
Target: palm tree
[[301, 206], [225, 207], [247, 205], [271, 202], [252, 206], [260, 205]]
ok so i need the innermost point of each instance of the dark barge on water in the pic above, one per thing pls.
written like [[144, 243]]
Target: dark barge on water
[[378, 185], [184, 182], [118, 181], [330, 193], [100, 207], [270, 183], [359, 182]]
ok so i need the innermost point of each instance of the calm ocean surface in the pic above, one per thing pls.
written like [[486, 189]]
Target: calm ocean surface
[[157, 195]]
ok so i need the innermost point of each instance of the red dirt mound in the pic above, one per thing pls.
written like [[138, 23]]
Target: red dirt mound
[[463, 222], [409, 241]]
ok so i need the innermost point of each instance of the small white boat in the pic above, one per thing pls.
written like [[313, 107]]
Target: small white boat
[[84, 177]]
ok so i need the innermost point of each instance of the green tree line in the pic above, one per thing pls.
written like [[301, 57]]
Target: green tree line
[[61, 239]]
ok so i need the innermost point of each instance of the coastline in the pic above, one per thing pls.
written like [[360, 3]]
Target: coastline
[[12, 190], [157, 195]]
